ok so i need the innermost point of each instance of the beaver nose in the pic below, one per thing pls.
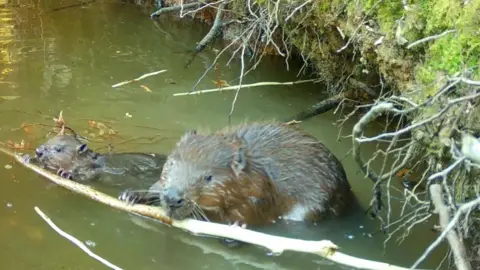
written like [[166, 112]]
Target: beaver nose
[[39, 152], [173, 199]]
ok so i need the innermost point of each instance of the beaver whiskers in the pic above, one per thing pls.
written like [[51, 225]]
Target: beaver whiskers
[[198, 213]]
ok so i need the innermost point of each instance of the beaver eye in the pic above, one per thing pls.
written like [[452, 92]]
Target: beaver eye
[[208, 178]]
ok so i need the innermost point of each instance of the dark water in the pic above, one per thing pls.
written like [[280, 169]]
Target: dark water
[[68, 60]]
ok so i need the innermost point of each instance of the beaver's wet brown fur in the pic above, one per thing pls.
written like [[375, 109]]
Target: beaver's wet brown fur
[[72, 159], [253, 174]]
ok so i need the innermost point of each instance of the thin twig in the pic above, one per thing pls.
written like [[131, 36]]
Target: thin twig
[[139, 78], [242, 67], [235, 87]]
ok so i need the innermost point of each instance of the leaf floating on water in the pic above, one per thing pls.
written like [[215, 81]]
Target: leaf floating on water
[[146, 88], [221, 83], [27, 128], [9, 97], [102, 128]]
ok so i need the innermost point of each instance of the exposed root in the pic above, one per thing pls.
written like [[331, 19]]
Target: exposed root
[[321, 107], [443, 212], [437, 127]]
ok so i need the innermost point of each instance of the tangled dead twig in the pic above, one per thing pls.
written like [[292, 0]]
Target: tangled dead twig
[[435, 124]]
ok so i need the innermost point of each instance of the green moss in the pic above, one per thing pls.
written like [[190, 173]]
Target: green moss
[[441, 14], [454, 52]]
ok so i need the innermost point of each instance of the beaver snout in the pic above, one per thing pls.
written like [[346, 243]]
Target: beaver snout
[[39, 152], [173, 198]]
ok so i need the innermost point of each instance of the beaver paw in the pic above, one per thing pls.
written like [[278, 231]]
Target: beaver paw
[[129, 196], [26, 158], [65, 174], [234, 243]]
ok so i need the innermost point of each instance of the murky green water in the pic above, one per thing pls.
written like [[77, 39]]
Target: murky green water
[[68, 60]]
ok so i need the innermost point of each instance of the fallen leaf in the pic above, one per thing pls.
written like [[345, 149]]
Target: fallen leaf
[[27, 128], [17, 145], [9, 97], [402, 172], [146, 88], [220, 83]]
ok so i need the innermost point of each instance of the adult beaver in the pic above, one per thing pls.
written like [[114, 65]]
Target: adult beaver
[[72, 159], [250, 174]]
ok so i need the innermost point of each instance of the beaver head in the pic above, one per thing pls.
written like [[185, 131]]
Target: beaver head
[[64, 151], [198, 174]]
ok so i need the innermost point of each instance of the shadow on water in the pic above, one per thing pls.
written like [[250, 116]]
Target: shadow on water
[[68, 60]]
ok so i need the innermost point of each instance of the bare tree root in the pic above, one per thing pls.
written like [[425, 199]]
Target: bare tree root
[[357, 132], [443, 212], [426, 136], [321, 107], [276, 244], [214, 32]]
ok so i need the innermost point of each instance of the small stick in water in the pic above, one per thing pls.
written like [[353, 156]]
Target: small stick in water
[[235, 87], [139, 78], [75, 240]]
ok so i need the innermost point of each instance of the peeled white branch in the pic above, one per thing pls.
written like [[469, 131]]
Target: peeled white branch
[[75, 240], [276, 244]]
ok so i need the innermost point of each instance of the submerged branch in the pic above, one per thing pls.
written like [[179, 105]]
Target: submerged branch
[[214, 30], [276, 244], [319, 108], [236, 87], [74, 240], [212, 34]]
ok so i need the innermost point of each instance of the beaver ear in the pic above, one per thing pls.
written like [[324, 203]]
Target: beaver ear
[[82, 148], [239, 162]]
